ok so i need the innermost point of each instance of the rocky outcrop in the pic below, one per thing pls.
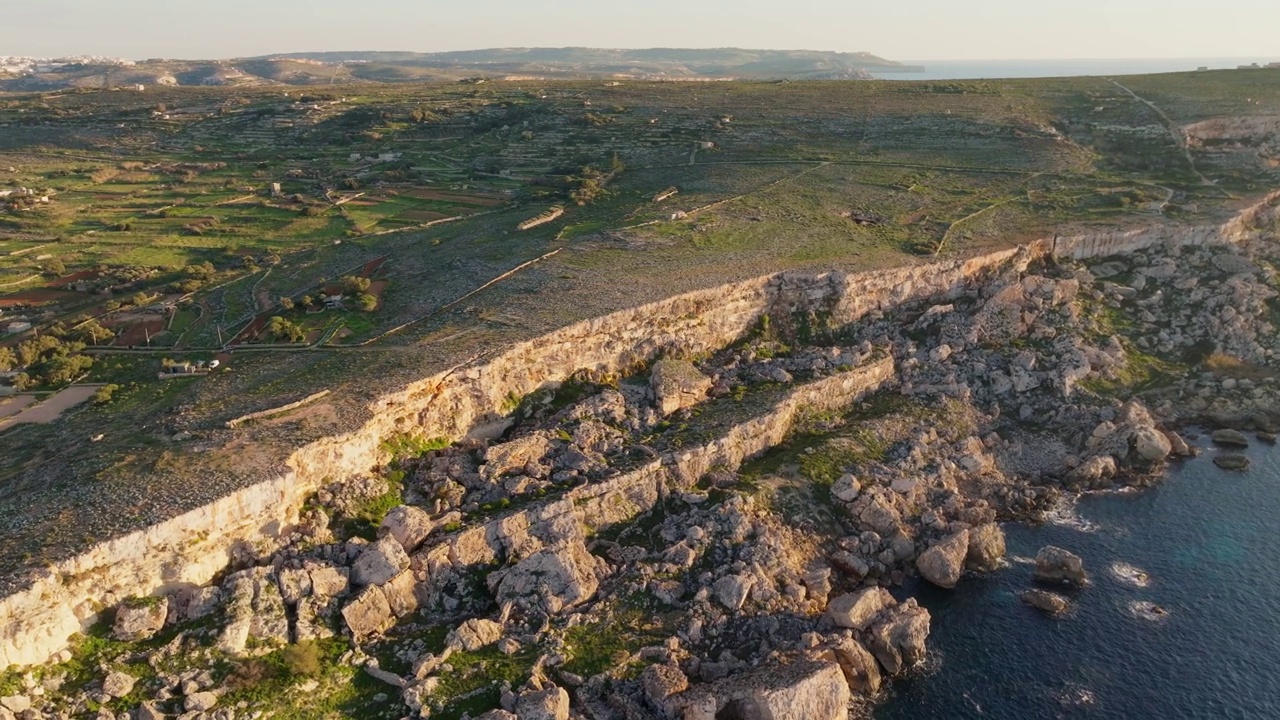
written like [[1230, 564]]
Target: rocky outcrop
[[986, 548], [1051, 603], [858, 610], [943, 562], [1055, 565], [677, 384], [898, 635], [190, 549], [801, 690]]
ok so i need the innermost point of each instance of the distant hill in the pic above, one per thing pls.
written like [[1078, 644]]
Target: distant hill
[[324, 68], [674, 63]]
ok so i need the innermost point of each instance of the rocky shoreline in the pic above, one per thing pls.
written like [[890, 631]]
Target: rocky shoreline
[[628, 547]]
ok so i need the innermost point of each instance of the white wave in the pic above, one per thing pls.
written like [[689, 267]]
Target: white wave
[[1147, 610], [1130, 575], [1064, 514]]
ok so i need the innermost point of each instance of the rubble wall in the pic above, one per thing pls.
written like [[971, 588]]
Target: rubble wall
[[37, 621]]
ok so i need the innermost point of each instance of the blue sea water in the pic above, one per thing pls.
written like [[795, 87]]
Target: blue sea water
[[1208, 539], [973, 69]]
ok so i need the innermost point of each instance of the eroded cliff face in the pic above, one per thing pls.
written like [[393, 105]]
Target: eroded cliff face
[[190, 549]]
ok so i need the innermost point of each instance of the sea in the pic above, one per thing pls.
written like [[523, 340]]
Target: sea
[[992, 69], [1204, 547]]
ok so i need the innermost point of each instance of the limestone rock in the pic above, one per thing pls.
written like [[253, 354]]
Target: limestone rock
[[254, 609], [1052, 603], [846, 488], [1230, 438], [986, 548], [498, 715], [1055, 565], [1151, 444], [677, 384], [145, 711], [409, 525], [898, 636], [731, 590], [943, 562], [553, 578], [512, 457], [368, 614], [800, 690], [475, 634], [140, 619], [549, 704], [118, 684], [858, 610], [401, 594], [880, 516], [659, 683], [200, 702], [380, 562], [859, 667], [1093, 470]]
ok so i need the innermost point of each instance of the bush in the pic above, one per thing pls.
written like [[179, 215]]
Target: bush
[[286, 331], [303, 659], [368, 303], [352, 284], [104, 393]]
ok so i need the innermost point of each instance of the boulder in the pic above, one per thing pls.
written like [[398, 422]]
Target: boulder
[[880, 516], [140, 619], [1267, 437], [401, 594], [943, 562], [986, 548], [1049, 602], [1055, 565], [660, 683], [511, 457], [1230, 438], [859, 667], [1178, 445], [1093, 470], [369, 614], [498, 715], [677, 384], [146, 711], [731, 590], [798, 690], [475, 634], [409, 525], [254, 609], [200, 702], [549, 704], [380, 562], [118, 684], [858, 610], [898, 636], [552, 579], [1151, 444], [846, 488]]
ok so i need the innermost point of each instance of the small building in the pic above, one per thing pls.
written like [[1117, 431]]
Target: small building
[[355, 157], [333, 302], [17, 326], [389, 157], [275, 190]]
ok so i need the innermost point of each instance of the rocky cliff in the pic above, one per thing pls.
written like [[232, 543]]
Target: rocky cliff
[[189, 550]]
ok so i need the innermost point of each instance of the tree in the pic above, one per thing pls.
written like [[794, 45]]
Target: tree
[[286, 302], [306, 301], [286, 331], [139, 299], [352, 285], [8, 360], [91, 332], [367, 302], [202, 271]]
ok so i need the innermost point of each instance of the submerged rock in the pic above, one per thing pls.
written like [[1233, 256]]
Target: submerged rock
[[1055, 565], [1231, 461], [1230, 438], [1050, 602]]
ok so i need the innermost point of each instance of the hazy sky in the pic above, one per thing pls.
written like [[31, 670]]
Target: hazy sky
[[896, 29]]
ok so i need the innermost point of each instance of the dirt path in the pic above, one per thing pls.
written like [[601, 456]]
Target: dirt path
[[51, 409], [1169, 125]]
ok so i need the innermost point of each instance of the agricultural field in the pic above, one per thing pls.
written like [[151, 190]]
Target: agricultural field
[[186, 222]]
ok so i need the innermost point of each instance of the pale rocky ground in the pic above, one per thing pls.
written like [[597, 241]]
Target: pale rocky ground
[[455, 584]]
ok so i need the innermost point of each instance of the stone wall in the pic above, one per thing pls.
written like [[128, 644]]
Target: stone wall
[[190, 549]]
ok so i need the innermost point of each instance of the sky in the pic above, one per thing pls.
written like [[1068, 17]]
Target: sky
[[896, 29]]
